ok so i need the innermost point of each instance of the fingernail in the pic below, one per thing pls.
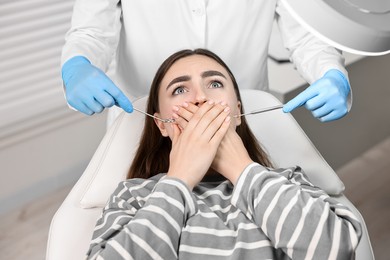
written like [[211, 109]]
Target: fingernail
[[227, 119], [227, 109], [175, 108], [174, 115], [223, 103], [211, 102], [185, 104]]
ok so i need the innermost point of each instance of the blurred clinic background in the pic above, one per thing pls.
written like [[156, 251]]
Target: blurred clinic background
[[45, 146]]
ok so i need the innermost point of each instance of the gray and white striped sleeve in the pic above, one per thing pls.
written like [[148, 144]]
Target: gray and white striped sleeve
[[298, 217], [129, 229]]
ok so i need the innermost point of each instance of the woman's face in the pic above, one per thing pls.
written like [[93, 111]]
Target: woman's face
[[195, 79]]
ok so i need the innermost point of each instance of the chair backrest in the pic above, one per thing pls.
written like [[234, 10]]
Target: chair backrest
[[72, 226]]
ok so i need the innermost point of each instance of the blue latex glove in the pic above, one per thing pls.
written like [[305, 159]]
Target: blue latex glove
[[327, 98], [89, 90]]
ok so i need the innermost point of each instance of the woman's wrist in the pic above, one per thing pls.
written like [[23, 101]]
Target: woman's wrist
[[184, 179], [234, 173]]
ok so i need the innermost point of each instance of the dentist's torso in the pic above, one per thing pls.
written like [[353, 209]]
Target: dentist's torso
[[236, 30]]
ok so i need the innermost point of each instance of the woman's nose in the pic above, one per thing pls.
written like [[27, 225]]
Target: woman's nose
[[200, 98]]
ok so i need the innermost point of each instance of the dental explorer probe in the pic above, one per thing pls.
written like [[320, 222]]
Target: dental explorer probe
[[260, 111], [168, 120], [171, 120]]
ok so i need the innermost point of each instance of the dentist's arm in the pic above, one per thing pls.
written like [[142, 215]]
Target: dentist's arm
[[321, 65], [89, 90], [326, 98], [90, 44]]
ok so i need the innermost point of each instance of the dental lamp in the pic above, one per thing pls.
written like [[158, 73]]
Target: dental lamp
[[356, 26]]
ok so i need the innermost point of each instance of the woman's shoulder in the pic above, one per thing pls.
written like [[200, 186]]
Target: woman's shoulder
[[138, 184]]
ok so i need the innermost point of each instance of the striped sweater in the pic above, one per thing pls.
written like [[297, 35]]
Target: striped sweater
[[269, 214]]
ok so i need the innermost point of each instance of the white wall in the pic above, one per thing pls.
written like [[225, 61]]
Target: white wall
[[368, 122], [39, 164], [43, 144]]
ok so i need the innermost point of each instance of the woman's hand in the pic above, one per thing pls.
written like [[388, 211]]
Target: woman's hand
[[231, 157], [194, 147]]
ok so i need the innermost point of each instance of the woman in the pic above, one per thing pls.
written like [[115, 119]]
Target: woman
[[203, 188]]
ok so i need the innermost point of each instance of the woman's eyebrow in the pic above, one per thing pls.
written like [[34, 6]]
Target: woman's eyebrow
[[205, 74], [210, 73], [178, 79]]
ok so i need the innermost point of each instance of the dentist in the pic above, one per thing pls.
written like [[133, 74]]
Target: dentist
[[133, 37]]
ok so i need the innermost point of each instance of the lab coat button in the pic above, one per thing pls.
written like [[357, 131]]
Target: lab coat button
[[198, 11]]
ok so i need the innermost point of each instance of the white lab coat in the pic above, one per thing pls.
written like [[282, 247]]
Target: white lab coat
[[138, 35]]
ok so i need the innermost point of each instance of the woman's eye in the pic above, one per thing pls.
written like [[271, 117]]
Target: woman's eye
[[179, 90], [216, 84]]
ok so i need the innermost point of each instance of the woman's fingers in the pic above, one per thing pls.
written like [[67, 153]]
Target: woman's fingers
[[216, 118], [180, 121], [184, 113], [222, 125], [198, 116], [176, 133]]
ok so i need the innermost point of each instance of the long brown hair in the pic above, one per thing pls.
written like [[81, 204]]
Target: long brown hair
[[152, 156]]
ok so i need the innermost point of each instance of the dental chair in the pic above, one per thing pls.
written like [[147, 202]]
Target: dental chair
[[72, 226]]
